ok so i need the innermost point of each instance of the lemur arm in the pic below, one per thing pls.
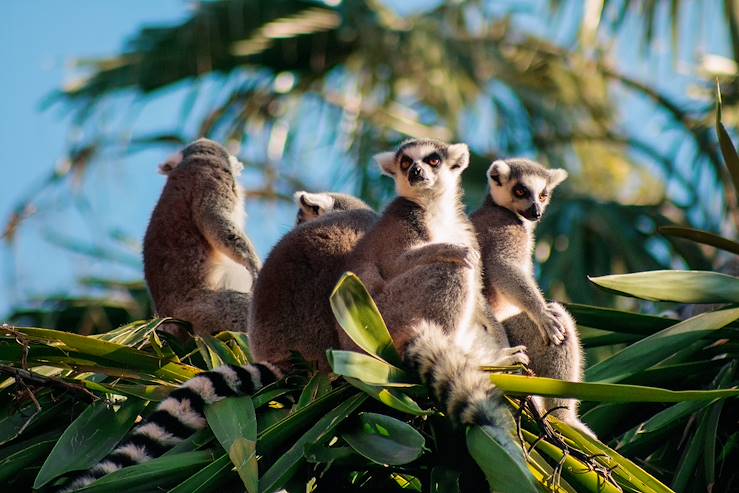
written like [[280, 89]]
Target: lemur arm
[[517, 286], [431, 253], [211, 214]]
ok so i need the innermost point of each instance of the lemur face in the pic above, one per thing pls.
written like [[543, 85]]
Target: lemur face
[[523, 186], [423, 166]]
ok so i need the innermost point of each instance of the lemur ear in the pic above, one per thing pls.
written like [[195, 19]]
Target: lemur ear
[[499, 172], [459, 156], [386, 161], [170, 164], [313, 203], [556, 176]]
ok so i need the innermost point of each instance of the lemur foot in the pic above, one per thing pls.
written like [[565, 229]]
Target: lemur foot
[[510, 356]]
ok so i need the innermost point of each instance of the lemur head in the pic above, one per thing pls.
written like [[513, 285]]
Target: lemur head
[[424, 167], [523, 186], [217, 156], [314, 205]]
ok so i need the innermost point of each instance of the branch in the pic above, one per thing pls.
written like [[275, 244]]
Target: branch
[[28, 377]]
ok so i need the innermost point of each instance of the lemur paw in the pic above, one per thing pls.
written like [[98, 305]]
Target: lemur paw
[[510, 356], [551, 327], [462, 254]]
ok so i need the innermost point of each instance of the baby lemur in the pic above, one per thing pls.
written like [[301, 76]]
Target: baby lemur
[[199, 264], [290, 308], [520, 190], [420, 262]]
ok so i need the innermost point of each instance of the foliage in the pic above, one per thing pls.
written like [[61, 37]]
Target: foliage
[[382, 432]]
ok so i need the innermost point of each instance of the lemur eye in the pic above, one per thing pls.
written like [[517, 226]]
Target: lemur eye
[[543, 195], [520, 191], [405, 162], [433, 159]]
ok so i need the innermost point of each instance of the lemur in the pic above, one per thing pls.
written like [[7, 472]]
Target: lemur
[[290, 308], [520, 191], [199, 265], [420, 263]]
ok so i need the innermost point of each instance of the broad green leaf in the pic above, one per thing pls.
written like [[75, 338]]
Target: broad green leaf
[[655, 348], [504, 468], [155, 393], [89, 438], [222, 350], [160, 471], [384, 440], [674, 285], [701, 237], [317, 386], [389, 396], [208, 478], [617, 320], [357, 314], [366, 368], [234, 423], [288, 463], [603, 392], [25, 454]]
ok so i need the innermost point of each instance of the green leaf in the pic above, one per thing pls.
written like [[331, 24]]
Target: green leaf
[[655, 348], [384, 440], [699, 236], [618, 320], [274, 436], [160, 471], [731, 158], [25, 454], [366, 368], [389, 396], [89, 438], [603, 392], [317, 386], [208, 478], [234, 423], [505, 470], [357, 314], [289, 462], [681, 286]]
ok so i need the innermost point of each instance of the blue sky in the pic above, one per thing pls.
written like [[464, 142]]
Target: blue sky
[[39, 41]]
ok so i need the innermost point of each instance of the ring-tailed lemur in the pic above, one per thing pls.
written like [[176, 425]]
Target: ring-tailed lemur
[[198, 262], [290, 307], [420, 262], [520, 191], [314, 205]]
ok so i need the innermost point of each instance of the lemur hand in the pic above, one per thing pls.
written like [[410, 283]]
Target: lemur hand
[[551, 327]]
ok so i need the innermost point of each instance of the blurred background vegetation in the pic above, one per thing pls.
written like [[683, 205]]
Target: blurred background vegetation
[[305, 92]]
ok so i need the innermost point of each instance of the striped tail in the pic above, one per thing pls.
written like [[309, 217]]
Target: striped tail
[[179, 416], [457, 383]]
